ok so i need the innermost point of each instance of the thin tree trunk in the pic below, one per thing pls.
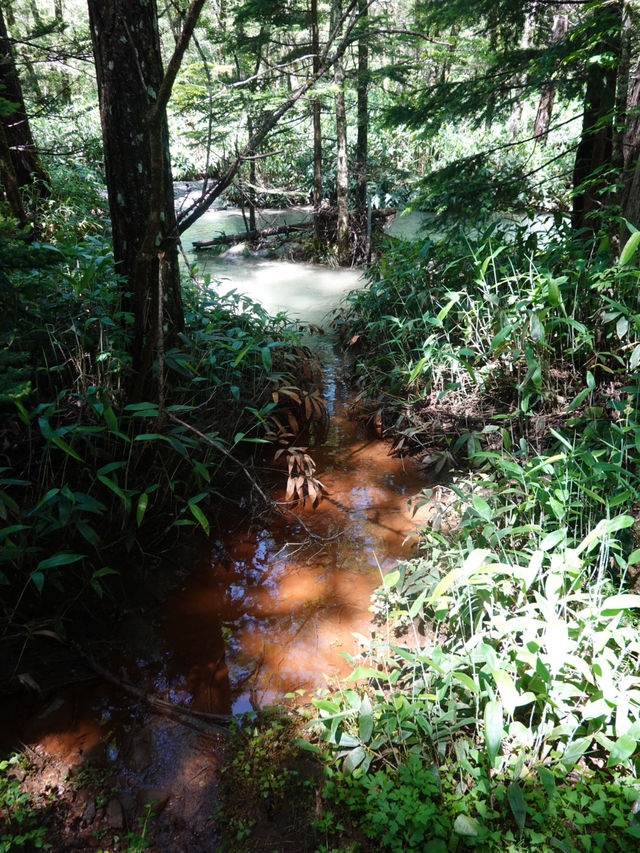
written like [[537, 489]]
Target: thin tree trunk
[[525, 43], [251, 194], [317, 128], [342, 166], [630, 193], [363, 113], [631, 139], [548, 96], [27, 167]]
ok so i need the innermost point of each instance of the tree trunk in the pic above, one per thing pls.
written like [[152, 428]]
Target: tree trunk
[[363, 113], [548, 96], [342, 166], [251, 193], [630, 193], [622, 91], [131, 87], [317, 128], [27, 167], [595, 148], [526, 41], [631, 139], [10, 182]]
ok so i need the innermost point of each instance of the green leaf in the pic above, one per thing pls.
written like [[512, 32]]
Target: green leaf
[[630, 247], [622, 749], [141, 508], [417, 370], [417, 605], [517, 803], [493, 727], [200, 517], [391, 578], [615, 603], [113, 487], [354, 759], [110, 418], [554, 538], [326, 705], [150, 436], [59, 442], [267, 361], [574, 752], [466, 826], [63, 558], [361, 672], [482, 508], [548, 781], [468, 682], [507, 689], [142, 410], [553, 292], [346, 740], [37, 579], [365, 720]]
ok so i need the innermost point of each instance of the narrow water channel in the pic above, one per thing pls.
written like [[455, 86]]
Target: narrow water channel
[[267, 610]]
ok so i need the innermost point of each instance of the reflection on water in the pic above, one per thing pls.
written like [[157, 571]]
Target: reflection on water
[[270, 611], [266, 612]]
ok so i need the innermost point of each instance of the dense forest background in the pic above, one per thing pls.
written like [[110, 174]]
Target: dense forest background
[[501, 345]]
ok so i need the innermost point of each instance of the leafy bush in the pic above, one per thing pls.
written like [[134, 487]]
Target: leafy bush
[[90, 475]]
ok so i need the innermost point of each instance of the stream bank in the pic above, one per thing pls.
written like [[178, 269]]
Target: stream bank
[[263, 613]]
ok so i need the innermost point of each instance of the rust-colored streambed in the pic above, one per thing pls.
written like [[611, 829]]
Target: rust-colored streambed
[[271, 609], [266, 612]]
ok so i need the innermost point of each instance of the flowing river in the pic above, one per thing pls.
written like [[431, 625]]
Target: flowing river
[[265, 612]]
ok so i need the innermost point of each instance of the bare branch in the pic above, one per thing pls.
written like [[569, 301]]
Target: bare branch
[[175, 62], [327, 60], [415, 33]]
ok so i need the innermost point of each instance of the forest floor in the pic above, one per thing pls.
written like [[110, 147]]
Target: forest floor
[[164, 788]]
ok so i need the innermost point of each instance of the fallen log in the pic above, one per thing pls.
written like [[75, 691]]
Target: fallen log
[[251, 236]]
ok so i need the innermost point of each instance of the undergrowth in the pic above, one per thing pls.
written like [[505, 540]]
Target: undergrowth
[[87, 477], [497, 703]]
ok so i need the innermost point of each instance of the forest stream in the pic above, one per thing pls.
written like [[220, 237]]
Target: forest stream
[[265, 612]]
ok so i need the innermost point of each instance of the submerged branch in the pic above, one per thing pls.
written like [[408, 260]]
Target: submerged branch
[[201, 721]]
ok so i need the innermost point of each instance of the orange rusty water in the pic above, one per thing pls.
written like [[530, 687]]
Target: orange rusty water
[[270, 611], [266, 612]]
